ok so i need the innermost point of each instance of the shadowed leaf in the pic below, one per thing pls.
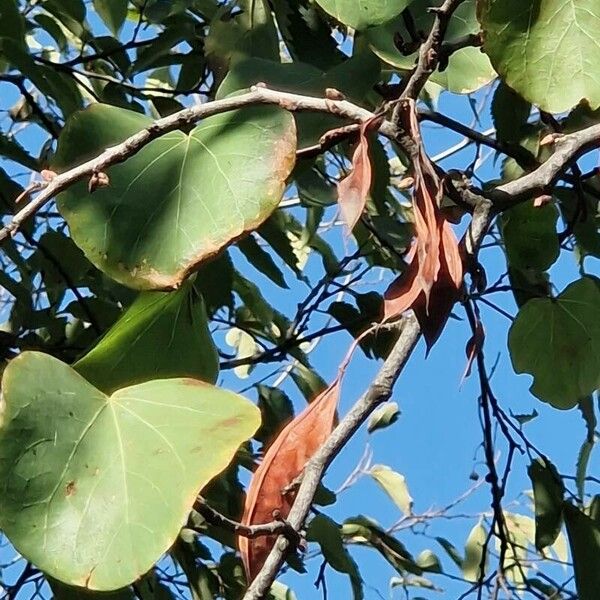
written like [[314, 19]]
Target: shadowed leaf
[[154, 223]]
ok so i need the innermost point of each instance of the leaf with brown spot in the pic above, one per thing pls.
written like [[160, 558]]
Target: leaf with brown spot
[[154, 447], [353, 190], [179, 200], [431, 283]]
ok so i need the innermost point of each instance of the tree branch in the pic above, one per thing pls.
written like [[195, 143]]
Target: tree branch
[[429, 52], [567, 149], [379, 391], [178, 120], [214, 517]]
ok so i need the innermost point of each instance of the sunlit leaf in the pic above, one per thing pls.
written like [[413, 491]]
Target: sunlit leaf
[[547, 51], [361, 14], [383, 416], [251, 31], [468, 69], [129, 353], [245, 348], [394, 485], [429, 561], [83, 470], [474, 558]]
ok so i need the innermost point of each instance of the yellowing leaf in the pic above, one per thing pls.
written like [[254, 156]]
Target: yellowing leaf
[[181, 198], [82, 471], [394, 485]]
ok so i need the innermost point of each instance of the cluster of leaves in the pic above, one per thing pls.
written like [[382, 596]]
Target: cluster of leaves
[[123, 299]]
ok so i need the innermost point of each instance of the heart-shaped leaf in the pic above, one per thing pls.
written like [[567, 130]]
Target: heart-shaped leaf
[[174, 322], [180, 199], [557, 340], [95, 488], [546, 51]]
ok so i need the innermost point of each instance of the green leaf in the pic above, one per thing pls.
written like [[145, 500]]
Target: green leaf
[[151, 588], [10, 190], [528, 284], [309, 382], [525, 418], [530, 236], [509, 113], [557, 341], [547, 51], [276, 411], [583, 459], [468, 69], [12, 24], [214, 281], [201, 580], [82, 471], [175, 322], [112, 12], [328, 535], [584, 539], [150, 56], [361, 14], [586, 408], [451, 551], [71, 13], [383, 416], [428, 561], [394, 485], [250, 32], [594, 509], [261, 260], [354, 77], [276, 231], [56, 85], [548, 492], [53, 29], [11, 149], [154, 224], [62, 591], [583, 211], [306, 33], [474, 546], [365, 531]]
